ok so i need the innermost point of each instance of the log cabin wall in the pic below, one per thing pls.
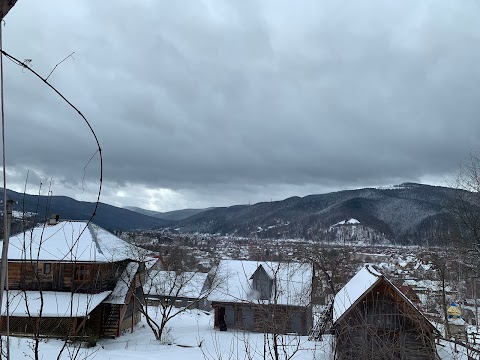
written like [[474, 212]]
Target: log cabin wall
[[384, 326], [45, 326], [63, 276], [134, 303]]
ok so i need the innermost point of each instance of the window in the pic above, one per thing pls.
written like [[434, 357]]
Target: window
[[47, 268], [82, 272]]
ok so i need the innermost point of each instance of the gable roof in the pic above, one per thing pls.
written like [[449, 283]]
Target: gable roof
[[65, 241], [292, 282], [358, 287], [260, 270]]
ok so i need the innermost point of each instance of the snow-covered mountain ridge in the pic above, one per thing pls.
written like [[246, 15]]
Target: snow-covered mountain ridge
[[408, 213]]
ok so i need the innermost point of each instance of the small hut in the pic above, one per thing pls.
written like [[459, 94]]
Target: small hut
[[269, 297], [373, 319]]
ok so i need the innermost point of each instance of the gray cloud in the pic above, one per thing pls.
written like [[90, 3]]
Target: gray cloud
[[212, 102]]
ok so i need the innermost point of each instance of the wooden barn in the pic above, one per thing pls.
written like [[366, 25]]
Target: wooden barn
[[70, 279], [270, 297], [372, 319]]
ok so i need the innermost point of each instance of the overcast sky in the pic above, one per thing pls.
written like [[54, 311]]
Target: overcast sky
[[214, 103]]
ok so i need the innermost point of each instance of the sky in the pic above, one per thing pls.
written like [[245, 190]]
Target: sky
[[222, 102]]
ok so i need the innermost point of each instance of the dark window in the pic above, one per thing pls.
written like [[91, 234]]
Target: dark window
[[82, 272], [47, 268]]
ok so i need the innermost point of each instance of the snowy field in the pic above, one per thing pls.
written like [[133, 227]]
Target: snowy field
[[191, 336], [187, 332]]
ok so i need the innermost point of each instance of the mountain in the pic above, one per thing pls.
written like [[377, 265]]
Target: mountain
[[168, 215], [107, 216], [408, 213]]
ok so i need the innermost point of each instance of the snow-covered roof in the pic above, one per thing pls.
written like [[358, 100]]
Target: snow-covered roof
[[293, 282], [170, 283], [358, 286], [55, 304], [120, 292], [363, 281], [63, 242]]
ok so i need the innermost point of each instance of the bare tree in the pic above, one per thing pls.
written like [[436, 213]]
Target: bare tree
[[172, 288], [275, 300], [465, 206], [26, 65], [279, 340], [383, 329], [32, 283]]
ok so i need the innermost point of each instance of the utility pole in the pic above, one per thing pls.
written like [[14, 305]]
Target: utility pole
[[5, 7], [7, 221]]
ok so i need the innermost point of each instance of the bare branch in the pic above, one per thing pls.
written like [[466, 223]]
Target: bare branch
[[25, 65], [51, 72]]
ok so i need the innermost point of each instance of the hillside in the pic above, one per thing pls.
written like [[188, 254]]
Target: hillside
[[107, 216], [408, 213], [405, 214], [168, 215]]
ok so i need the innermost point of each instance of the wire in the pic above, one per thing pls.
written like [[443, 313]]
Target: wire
[[25, 65]]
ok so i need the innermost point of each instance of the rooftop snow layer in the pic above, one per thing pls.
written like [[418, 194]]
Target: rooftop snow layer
[[64, 242], [365, 279], [170, 283], [293, 282], [55, 304]]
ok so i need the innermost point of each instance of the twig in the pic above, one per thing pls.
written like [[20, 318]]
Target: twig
[[24, 65], [51, 72], [85, 171]]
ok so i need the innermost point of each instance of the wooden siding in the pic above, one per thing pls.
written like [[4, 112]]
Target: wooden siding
[[24, 326], [383, 326], [81, 277], [262, 283], [278, 319], [63, 276]]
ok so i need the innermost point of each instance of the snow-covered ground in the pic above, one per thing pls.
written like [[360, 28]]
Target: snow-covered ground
[[187, 332], [191, 336]]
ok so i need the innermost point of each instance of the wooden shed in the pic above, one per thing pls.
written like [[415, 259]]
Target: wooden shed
[[269, 297], [372, 319]]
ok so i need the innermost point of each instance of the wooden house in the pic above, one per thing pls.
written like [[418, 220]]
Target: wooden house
[[410, 293], [372, 319], [179, 289], [269, 297], [70, 279]]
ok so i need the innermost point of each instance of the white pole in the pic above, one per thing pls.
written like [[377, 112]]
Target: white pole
[[6, 206]]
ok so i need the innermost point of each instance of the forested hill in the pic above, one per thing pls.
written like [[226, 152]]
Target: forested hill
[[107, 216], [403, 214], [407, 213]]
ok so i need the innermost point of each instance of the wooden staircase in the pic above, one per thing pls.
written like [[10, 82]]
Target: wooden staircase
[[322, 324], [111, 324]]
